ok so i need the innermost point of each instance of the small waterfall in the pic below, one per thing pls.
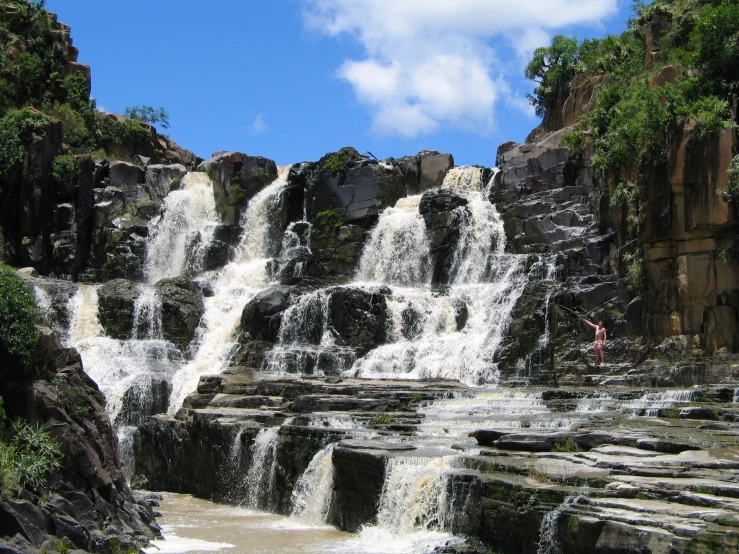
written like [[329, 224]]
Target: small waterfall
[[595, 403], [312, 494], [147, 314], [44, 305], [260, 479], [231, 479], [233, 287], [398, 249], [415, 511], [549, 541], [133, 374], [126, 437], [543, 270], [486, 280], [652, 402], [190, 209], [736, 395], [305, 342], [261, 237]]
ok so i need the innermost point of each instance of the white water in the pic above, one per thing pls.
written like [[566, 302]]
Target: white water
[[190, 209], [483, 276], [233, 287], [648, 405], [414, 512], [120, 368], [260, 479], [397, 251], [147, 314], [311, 499]]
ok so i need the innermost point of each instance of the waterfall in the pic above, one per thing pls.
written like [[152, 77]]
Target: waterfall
[[260, 479], [126, 436], [398, 249], [192, 208], [233, 286], [549, 541], [147, 314], [231, 479], [44, 305], [414, 512], [305, 342], [133, 374], [651, 403], [311, 499], [486, 280], [736, 395]]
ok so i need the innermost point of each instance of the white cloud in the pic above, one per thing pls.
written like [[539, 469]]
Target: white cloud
[[259, 125], [430, 64]]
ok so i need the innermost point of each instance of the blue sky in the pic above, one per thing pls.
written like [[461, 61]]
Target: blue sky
[[294, 79]]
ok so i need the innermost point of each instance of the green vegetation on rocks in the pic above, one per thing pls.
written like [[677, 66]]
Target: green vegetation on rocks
[[18, 314], [338, 161]]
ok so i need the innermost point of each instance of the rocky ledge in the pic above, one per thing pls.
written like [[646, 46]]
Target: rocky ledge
[[624, 470]]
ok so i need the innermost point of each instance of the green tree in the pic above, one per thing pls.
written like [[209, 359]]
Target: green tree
[[716, 43], [552, 67], [148, 114]]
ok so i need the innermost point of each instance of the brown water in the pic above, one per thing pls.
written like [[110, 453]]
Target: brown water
[[195, 526]]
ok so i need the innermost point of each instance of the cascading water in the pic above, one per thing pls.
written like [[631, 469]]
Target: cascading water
[[311, 500], [191, 209], [260, 479], [133, 373], [398, 249], [484, 279], [233, 286], [147, 314], [414, 512]]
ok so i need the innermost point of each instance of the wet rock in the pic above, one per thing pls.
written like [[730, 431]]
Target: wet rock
[[443, 213], [358, 316], [182, 308], [116, 300], [262, 315]]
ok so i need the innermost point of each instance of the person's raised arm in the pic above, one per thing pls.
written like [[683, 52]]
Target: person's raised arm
[[593, 325]]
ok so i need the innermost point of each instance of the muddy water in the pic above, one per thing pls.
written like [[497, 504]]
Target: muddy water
[[195, 526]]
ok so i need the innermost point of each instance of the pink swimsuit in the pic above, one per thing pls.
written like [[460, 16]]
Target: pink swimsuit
[[598, 345]]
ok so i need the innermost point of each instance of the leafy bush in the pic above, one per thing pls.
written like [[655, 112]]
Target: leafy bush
[[715, 40], [337, 162], [64, 172], [635, 275], [575, 141], [327, 222], [36, 453], [567, 445], [73, 399], [76, 133], [18, 313], [27, 455], [127, 132], [149, 115], [15, 131]]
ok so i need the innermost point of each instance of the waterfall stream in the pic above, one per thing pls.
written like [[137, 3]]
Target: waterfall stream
[[311, 498], [483, 278]]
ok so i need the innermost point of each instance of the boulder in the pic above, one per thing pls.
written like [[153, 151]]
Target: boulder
[[160, 179], [443, 213], [262, 315], [116, 300], [182, 308]]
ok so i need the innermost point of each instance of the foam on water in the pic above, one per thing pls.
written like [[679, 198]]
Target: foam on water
[[191, 209]]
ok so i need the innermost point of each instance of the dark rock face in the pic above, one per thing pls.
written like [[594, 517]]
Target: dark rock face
[[182, 308], [116, 300], [262, 315], [358, 317], [443, 212], [88, 500], [236, 179]]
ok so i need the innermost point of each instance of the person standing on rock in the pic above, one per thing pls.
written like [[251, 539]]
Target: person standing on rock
[[600, 341]]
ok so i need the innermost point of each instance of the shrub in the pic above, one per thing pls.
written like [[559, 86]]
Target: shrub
[[337, 162], [715, 41], [76, 133], [64, 172], [73, 399], [18, 313], [635, 275], [328, 221], [567, 445], [27, 456], [575, 141], [15, 131], [128, 132]]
